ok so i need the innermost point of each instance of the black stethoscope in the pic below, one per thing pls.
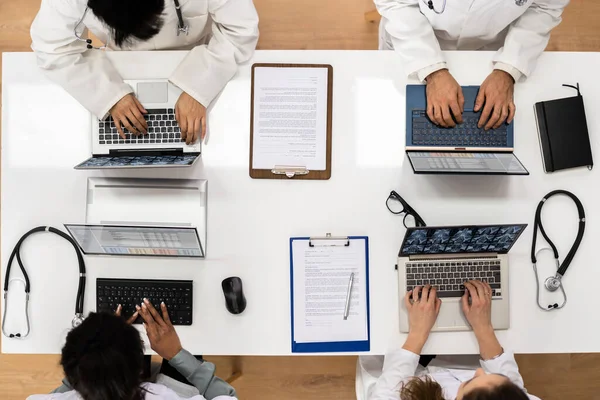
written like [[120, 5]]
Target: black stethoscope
[[17, 253], [429, 4], [553, 283], [181, 28]]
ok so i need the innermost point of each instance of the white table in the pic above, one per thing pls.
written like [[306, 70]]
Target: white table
[[250, 221]]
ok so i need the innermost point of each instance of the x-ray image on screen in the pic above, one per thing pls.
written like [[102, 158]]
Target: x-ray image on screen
[[461, 239]]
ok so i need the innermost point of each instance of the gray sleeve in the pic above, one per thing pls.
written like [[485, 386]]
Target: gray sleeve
[[201, 375], [65, 387]]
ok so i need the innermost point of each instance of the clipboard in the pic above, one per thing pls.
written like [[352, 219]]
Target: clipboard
[[334, 346], [294, 171]]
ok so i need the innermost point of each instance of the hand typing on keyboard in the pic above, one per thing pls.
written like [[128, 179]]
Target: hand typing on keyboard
[[477, 305], [128, 113], [445, 100], [423, 307], [191, 117], [495, 97], [161, 333], [131, 319]]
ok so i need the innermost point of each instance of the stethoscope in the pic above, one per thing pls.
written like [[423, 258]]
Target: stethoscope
[[553, 283], [181, 28], [429, 4], [78, 319]]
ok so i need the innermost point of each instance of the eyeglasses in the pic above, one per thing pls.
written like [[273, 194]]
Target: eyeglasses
[[403, 207]]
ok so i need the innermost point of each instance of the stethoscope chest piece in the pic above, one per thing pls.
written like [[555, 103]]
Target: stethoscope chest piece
[[552, 283]]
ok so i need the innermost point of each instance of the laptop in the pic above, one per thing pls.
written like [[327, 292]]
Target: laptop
[[161, 147], [143, 217], [464, 149], [446, 257], [137, 240]]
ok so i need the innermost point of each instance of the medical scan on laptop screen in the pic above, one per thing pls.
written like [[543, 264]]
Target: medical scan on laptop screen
[[427, 162], [137, 240], [461, 239]]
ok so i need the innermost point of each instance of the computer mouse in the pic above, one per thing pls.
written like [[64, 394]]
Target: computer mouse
[[235, 301]]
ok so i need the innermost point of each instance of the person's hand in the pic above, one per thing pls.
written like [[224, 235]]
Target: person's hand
[[160, 330], [128, 112], [496, 98], [444, 99], [191, 117], [479, 312], [423, 311], [131, 319]]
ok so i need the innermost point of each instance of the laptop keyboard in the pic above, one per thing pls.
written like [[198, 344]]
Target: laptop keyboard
[[162, 128], [467, 134], [449, 277]]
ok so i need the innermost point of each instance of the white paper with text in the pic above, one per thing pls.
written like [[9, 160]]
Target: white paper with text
[[321, 276], [290, 118]]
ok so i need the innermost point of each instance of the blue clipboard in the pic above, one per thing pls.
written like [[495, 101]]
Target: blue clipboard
[[327, 347]]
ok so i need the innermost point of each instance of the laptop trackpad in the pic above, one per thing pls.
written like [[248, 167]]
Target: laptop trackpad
[[153, 92], [451, 318]]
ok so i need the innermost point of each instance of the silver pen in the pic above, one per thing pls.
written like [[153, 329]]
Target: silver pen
[[347, 309]]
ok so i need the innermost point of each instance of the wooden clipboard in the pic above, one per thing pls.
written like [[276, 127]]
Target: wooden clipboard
[[294, 172]]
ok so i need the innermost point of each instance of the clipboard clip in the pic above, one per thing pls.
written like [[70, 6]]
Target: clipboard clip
[[289, 171], [329, 241]]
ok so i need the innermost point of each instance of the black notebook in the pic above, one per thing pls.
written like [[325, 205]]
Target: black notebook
[[563, 132]]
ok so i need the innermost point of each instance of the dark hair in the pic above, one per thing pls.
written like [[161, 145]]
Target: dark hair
[[103, 359], [129, 19], [505, 391], [428, 389]]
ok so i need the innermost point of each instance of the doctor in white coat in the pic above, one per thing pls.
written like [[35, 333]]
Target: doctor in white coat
[[220, 34], [419, 29]]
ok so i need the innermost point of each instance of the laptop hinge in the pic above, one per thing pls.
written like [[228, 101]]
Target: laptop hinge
[[147, 152], [447, 256]]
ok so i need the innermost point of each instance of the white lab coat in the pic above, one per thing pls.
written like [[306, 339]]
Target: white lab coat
[[520, 33], [380, 378], [222, 34]]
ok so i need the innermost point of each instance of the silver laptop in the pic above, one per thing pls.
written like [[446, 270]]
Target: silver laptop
[[446, 257], [161, 147], [144, 217]]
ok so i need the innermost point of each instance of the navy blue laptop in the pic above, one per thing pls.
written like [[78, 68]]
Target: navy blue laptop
[[464, 149]]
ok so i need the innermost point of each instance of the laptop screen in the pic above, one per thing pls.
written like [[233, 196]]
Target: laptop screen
[[108, 161], [461, 239], [137, 240], [430, 162]]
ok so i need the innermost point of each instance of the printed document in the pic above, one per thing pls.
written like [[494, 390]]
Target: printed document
[[290, 118], [321, 277]]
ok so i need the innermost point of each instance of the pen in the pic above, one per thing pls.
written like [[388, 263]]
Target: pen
[[347, 309]]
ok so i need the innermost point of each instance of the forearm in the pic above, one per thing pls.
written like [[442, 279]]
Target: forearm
[[415, 342], [489, 346], [412, 35], [87, 75], [201, 375], [528, 36], [207, 68]]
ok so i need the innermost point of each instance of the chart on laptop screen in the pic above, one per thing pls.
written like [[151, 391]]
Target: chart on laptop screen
[[137, 240], [461, 239]]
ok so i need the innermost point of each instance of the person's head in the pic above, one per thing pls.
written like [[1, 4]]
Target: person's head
[[103, 358], [129, 20], [481, 387]]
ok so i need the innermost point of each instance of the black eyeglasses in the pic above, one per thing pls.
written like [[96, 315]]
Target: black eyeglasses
[[406, 209]]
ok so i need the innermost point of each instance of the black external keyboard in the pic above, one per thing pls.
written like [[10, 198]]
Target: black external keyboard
[[177, 295], [162, 128], [467, 134], [449, 277]]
